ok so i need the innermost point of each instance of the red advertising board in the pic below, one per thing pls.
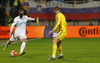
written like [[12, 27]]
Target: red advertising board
[[31, 32], [72, 32], [83, 31]]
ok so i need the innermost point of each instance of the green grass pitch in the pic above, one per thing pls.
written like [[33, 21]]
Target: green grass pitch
[[76, 50]]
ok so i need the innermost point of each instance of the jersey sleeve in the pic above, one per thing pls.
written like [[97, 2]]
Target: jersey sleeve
[[29, 18], [58, 22], [13, 24]]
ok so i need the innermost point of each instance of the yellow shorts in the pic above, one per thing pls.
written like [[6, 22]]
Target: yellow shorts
[[61, 35]]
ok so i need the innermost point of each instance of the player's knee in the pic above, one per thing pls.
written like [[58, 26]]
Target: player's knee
[[54, 41], [24, 40], [9, 41]]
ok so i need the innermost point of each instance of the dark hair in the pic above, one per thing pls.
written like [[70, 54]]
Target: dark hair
[[21, 10], [57, 8]]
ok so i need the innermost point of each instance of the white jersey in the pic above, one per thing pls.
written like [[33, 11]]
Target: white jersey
[[20, 24]]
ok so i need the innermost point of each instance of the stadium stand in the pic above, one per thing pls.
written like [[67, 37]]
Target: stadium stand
[[70, 4]]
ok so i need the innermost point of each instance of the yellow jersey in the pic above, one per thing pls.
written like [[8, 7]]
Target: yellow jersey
[[61, 23]]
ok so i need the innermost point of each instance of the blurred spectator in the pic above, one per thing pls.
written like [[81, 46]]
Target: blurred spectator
[[15, 3], [13, 13], [37, 0], [11, 2], [54, 0], [25, 11], [58, 0], [90, 23], [66, 0], [3, 2], [61, 1], [48, 0], [2, 16]]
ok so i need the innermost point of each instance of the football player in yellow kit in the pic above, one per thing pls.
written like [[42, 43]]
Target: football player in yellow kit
[[60, 27]]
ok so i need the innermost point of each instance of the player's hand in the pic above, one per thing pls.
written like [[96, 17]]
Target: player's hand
[[55, 31], [49, 32], [10, 33]]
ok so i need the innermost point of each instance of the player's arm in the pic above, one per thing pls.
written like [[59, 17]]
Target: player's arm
[[12, 26], [57, 24], [29, 18]]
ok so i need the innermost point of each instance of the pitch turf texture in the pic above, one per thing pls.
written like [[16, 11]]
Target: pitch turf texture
[[76, 50]]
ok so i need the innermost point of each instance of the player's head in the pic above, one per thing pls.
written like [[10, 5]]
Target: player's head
[[21, 13], [56, 9]]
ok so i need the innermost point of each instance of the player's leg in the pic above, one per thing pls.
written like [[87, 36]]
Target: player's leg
[[55, 40], [61, 37], [23, 45], [60, 50], [9, 41], [23, 37]]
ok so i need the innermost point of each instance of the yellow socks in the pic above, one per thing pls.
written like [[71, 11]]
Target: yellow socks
[[60, 49], [54, 50]]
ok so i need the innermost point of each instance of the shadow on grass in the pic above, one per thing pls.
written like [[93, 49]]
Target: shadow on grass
[[69, 60]]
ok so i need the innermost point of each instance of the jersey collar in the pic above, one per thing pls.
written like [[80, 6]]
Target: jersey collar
[[58, 12]]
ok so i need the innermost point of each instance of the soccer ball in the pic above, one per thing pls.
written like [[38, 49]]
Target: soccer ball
[[13, 53]]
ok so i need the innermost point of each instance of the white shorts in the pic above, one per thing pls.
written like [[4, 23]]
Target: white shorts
[[14, 36]]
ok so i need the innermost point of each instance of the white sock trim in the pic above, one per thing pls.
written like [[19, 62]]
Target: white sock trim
[[60, 54], [53, 56]]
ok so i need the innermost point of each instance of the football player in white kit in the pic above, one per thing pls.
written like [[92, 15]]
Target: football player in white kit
[[20, 31]]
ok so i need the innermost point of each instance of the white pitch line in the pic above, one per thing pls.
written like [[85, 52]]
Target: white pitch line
[[2, 45], [69, 50], [17, 42]]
